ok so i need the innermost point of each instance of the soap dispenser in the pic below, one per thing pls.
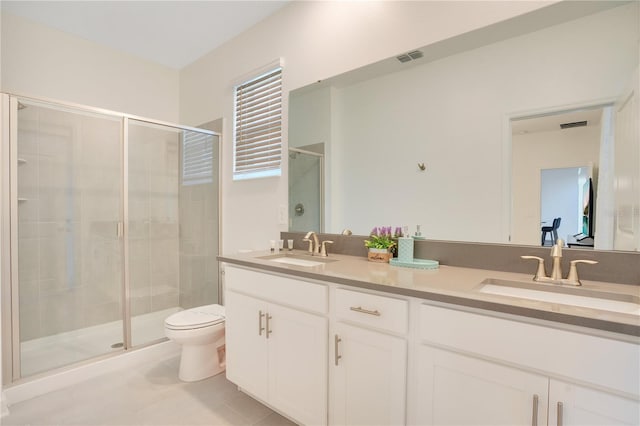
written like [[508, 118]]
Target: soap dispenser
[[405, 247]]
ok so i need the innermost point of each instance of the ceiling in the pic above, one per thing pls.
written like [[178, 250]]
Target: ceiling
[[551, 122], [172, 33]]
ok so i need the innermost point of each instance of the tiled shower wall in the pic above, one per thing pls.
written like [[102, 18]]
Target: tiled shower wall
[[153, 217], [70, 256], [199, 235], [70, 259], [173, 226], [198, 244]]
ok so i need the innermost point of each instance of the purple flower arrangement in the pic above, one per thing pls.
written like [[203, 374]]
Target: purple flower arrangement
[[383, 238]]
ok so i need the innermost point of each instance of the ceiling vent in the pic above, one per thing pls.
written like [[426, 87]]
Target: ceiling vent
[[574, 124], [406, 57]]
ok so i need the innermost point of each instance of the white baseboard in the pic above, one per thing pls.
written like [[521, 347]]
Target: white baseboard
[[52, 382]]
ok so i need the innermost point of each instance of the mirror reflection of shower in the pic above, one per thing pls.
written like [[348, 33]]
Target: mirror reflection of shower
[[306, 177]]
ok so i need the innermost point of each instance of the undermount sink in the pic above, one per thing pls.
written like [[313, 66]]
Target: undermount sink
[[573, 296], [298, 259]]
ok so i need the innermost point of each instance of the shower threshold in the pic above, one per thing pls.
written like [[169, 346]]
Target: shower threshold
[[47, 353]]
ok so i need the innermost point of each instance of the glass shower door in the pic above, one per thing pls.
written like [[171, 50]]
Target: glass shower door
[[67, 196], [172, 224]]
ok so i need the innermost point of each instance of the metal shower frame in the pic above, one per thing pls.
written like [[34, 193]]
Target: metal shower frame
[[10, 322]]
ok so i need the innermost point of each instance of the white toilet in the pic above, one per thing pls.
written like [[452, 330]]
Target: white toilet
[[200, 331]]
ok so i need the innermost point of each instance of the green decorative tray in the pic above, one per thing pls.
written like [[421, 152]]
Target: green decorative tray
[[417, 263]]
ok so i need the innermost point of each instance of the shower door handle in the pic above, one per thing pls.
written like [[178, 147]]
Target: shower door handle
[[120, 229]]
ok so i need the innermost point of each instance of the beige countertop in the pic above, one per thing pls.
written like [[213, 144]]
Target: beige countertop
[[455, 285]]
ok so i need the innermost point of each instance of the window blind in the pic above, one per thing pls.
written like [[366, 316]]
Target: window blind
[[258, 127], [197, 158]]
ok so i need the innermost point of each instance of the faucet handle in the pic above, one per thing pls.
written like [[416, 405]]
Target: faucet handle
[[573, 271], [323, 251], [540, 272]]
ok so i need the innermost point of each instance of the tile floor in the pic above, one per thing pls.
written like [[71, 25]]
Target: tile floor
[[148, 395]]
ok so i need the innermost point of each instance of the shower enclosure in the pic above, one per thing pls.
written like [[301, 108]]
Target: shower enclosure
[[306, 193], [109, 224]]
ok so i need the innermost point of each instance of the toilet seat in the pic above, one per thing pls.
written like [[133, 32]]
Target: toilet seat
[[200, 317]]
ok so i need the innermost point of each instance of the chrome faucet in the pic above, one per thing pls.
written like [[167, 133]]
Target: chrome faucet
[[556, 271], [315, 248]]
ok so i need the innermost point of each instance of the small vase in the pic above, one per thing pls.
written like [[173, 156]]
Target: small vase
[[379, 255]]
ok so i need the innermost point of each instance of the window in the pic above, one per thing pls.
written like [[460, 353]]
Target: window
[[258, 126], [197, 158]]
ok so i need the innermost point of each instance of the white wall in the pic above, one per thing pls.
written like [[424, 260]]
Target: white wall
[[316, 40], [310, 118], [43, 62], [450, 114]]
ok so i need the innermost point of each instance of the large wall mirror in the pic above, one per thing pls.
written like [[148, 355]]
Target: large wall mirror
[[455, 136]]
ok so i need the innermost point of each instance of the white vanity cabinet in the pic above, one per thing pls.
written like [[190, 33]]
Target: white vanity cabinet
[[277, 352], [574, 405], [368, 372], [477, 369], [460, 390], [331, 353]]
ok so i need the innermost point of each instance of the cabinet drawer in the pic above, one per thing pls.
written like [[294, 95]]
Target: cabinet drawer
[[605, 362], [381, 312], [282, 290]]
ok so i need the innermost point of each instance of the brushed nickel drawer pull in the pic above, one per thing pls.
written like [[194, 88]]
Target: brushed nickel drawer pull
[[260, 327], [365, 311], [534, 415], [336, 353], [269, 331], [560, 414]]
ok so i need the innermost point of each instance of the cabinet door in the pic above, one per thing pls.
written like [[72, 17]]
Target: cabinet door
[[369, 378], [246, 344], [459, 390], [298, 364], [581, 406]]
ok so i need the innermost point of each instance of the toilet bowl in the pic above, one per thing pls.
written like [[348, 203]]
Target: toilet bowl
[[200, 331]]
